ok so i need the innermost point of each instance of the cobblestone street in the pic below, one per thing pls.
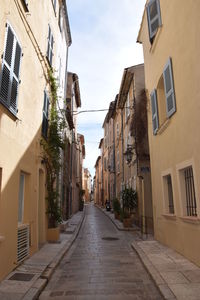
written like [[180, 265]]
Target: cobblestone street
[[101, 265]]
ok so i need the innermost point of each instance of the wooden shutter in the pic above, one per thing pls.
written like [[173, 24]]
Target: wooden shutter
[[154, 17], [10, 71], [169, 88], [45, 115], [50, 46], [154, 108]]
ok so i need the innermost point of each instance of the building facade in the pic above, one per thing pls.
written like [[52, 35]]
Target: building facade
[[171, 54]]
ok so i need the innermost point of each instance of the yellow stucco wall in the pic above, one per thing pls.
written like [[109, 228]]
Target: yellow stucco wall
[[177, 143], [20, 137]]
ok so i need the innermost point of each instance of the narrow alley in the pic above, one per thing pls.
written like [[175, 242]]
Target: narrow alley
[[101, 265]]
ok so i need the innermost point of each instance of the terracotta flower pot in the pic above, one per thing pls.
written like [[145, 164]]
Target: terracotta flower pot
[[53, 234], [127, 222]]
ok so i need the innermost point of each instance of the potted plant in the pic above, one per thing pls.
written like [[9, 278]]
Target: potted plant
[[130, 203], [116, 208]]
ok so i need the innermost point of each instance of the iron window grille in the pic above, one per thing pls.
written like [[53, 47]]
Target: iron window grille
[[170, 194], [191, 205]]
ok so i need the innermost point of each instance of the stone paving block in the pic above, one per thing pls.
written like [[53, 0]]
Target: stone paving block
[[174, 277], [186, 291], [10, 296], [192, 275], [32, 294], [166, 292]]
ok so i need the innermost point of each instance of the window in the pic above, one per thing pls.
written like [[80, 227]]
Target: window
[[9, 81], [190, 197], [169, 88], [118, 166], [50, 46], [168, 194], [154, 17], [45, 115], [54, 5], [21, 198], [60, 20], [127, 108], [154, 109], [164, 93], [161, 101], [25, 5], [104, 164], [117, 129]]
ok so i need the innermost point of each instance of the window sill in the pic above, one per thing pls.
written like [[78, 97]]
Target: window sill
[[169, 216], [193, 220], [163, 126], [8, 110], [2, 238]]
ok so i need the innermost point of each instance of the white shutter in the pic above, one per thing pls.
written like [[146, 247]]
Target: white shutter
[[10, 71], [169, 88], [154, 108], [154, 17]]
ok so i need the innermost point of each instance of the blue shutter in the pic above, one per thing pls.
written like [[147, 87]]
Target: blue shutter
[[154, 17], [154, 109], [169, 88], [50, 46], [10, 71]]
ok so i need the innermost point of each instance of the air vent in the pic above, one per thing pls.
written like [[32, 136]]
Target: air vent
[[22, 243]]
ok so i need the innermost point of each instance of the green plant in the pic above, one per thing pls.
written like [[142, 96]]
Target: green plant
[[116, 206], [51, 155], [129, 199]]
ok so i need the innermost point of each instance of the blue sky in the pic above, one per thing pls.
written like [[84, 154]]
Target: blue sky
[[104, 34]]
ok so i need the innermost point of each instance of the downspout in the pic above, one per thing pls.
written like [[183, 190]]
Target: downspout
[[122, 132], [114, 162]]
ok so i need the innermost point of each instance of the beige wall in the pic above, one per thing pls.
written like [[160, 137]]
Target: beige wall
[[20, 137], [176, 144]]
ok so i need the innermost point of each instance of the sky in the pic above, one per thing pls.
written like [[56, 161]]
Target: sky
[[104, 34]]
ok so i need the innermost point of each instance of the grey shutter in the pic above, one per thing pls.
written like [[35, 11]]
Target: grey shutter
[[169, 88], [10, 71], [45, 115], [154, 17], [154, 108]]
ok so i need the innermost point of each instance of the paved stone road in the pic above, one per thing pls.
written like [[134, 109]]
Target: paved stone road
[[97, 268]]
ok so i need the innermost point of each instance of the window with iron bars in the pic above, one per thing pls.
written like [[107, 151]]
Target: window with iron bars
[[191, 206], [170, 194]]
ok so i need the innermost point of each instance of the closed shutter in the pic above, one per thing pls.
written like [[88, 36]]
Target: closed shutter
[[50, 46], [154, 17], [10, 71], [45, 115], [169, 88], [154, 108]]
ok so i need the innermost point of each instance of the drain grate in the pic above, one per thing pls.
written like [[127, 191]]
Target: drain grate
[[110, 238], [22, 277]]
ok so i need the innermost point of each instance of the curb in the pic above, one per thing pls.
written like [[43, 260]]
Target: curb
[[116, 225], [34, 292], [155, 275]]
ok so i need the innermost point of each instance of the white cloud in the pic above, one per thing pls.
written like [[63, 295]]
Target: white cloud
[[104, 34]]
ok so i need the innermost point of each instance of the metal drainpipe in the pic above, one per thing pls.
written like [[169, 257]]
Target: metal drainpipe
[[122, 132], [71, 157], [114, 166]]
